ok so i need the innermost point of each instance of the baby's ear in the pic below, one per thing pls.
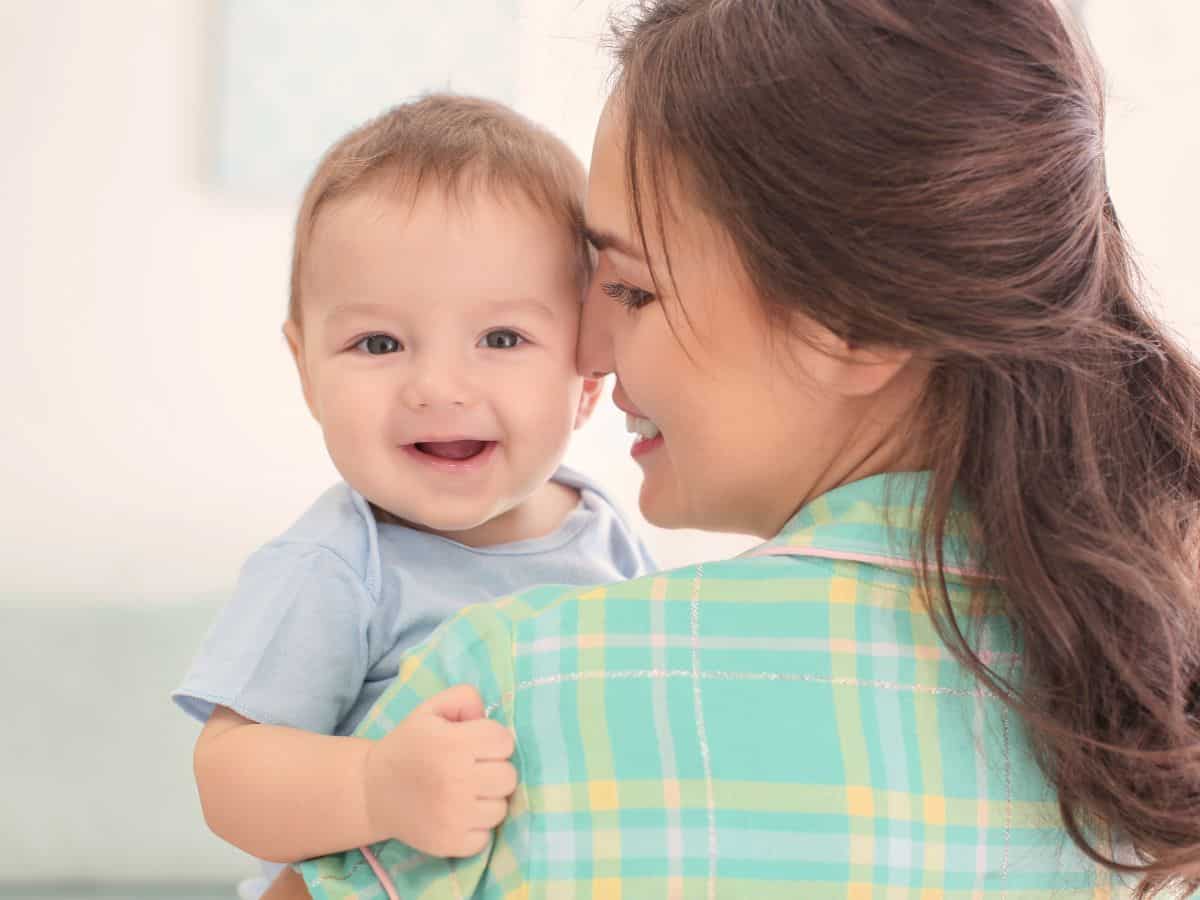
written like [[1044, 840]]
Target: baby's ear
[[588, 398], [295, 341]]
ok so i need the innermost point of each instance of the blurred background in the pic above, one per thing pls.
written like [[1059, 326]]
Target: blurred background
[[152, 157]]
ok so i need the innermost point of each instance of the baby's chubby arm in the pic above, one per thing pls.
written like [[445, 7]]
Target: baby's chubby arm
[[438, 782]]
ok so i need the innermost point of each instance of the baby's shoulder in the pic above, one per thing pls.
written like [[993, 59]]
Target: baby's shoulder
[[337, 532], [609, 530], [595, 496]]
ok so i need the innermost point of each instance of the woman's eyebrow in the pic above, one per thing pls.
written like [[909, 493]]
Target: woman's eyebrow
[[607, 240]]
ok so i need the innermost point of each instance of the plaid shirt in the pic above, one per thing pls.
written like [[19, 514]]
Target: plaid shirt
[[785, 724]]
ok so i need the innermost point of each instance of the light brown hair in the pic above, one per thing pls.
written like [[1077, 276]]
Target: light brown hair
[[458, 144], [930, 175]]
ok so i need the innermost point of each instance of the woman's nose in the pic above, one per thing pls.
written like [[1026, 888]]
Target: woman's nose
[[594, 354]]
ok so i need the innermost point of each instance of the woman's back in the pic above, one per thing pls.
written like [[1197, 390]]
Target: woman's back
[[784, 724]]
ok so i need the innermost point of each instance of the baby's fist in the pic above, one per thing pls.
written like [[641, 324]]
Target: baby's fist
[[440, 781]]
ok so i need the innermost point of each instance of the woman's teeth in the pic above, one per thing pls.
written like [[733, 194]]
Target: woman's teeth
[[643, 428]]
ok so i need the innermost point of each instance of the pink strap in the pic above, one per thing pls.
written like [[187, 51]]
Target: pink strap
[[384, 880]]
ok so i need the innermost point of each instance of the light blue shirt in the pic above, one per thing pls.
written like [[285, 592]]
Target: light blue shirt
[[322, 614]]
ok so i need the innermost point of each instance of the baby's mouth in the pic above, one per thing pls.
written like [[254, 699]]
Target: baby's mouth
[[453, 450]]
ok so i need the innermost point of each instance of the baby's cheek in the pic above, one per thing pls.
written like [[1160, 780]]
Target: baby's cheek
[[547, 423], [352, 429]]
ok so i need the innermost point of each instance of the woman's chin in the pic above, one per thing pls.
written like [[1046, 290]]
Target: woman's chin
[[660, 509]]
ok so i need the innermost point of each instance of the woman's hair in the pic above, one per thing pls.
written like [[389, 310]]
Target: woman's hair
[[930, 175], [453, 142]]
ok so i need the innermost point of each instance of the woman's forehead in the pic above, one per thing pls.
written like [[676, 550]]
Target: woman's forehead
[[608, 202], [667, 214]]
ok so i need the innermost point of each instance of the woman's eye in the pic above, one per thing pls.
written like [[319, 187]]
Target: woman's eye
[[378, 344], [632, 297], [501, 339]]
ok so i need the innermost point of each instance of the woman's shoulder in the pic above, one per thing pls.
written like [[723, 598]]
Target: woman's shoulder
[[522, 619], [660, 585], [555, 608]]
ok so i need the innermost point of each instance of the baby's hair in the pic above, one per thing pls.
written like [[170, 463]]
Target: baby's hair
[[457, 144]]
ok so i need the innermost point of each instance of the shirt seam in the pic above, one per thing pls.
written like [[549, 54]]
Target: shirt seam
[[316, 547]]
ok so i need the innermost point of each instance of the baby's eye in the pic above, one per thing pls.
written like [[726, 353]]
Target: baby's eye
[[628, 295], [378, 344], [501, 339]]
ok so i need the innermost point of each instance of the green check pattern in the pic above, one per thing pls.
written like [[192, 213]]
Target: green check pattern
[[786, 724]]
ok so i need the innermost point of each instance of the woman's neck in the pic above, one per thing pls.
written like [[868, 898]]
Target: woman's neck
[[884, 435]]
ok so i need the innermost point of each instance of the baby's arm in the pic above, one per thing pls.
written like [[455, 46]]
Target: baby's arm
[[438, 782], [280, 793], [288, 886]]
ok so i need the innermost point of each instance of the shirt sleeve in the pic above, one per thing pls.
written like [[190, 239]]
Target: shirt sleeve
[[290, 647], [474, 647]]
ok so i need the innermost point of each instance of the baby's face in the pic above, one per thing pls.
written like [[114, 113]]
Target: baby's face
[[437, 351]]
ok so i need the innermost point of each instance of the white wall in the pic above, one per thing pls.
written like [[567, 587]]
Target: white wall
[[1153, 141], [156, 434]]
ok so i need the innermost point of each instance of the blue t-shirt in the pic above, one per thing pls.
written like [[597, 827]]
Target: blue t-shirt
[[321, 615]]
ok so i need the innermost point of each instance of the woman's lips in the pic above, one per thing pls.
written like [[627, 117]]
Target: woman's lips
[[645, 445], [649, 437]]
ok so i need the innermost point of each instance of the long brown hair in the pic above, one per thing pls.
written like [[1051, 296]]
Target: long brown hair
[[931, 174]]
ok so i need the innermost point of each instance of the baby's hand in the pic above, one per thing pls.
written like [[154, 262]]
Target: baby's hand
[[440, 781]]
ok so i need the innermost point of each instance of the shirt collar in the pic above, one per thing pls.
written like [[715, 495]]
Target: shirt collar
[[877, 521]]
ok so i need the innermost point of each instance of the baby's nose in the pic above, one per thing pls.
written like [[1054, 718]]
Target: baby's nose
[[434, 383]]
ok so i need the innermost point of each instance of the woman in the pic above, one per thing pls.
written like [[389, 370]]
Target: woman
[[865, 295]]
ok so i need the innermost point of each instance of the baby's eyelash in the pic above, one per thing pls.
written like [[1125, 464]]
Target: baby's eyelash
[[632, 297]]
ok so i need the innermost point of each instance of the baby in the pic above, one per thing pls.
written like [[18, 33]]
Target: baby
[[436, 285]]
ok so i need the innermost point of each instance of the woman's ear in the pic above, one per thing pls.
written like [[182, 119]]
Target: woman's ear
[[868, 370], [849, 369], [588, 398], [295, 341]]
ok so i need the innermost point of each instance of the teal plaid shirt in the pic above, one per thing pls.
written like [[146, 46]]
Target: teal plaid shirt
[[785, 724]]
